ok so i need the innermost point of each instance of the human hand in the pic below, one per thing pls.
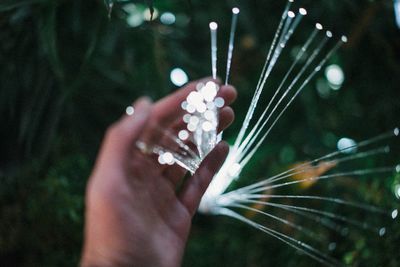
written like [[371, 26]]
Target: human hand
[[134, 216]]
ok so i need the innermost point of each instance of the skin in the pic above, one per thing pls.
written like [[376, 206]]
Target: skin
[[134, 215]]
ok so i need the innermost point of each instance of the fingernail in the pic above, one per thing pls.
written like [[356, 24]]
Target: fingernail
[[224, 147], [144, 100]]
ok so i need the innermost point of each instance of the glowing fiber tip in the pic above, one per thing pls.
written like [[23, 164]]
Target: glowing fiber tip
[[235, 10], [329, 34], [303, 11], [319, 26], [213, 26], [130, 111], [344, 39], [291, 14]]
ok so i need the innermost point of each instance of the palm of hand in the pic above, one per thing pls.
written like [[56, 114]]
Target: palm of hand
[[134, 215]]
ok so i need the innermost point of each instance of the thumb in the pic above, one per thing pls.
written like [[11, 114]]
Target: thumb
[[196, 186]]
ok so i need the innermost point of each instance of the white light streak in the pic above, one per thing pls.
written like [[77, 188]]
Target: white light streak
[[213, 33]]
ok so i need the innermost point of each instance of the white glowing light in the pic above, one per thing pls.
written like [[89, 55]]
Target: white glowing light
[[291, 14], [194, 120], [190, 108], [382, 231], [303, 11], [235, 10], [397, 12], [161, 159], [211, 84], [191, 127], [209, 91], [184, 105], [130, 110], [329, 34], [213, 26], [395, 213], [397, 191], [147, 14], [234, 170], [183, 135], [194, 98], [135, 19], [207, 126], [210, 105], [319, 26], [209, 115], [168, 158], [346, 145], [201, 108], [219, 102], [344, 39], [178, 77], [167, 18], [335, 76], [186, 118], [396, 132]]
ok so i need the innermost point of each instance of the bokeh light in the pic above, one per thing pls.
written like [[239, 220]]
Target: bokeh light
[[335, 76], [135, 16], [148, 16], [167, 18], [397, 11], [178, 77], [130, 110], [397, 190], [346, 145]]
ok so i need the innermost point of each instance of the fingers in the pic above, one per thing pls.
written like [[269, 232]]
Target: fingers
[[228, 93], [174, 174], [195, 187], [226, 117], [122, 135], [167, 112]]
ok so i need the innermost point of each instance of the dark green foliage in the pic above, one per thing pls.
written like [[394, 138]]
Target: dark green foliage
[[68, 70]]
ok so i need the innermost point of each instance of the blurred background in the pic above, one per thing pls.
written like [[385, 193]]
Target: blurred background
[[69, 68]]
